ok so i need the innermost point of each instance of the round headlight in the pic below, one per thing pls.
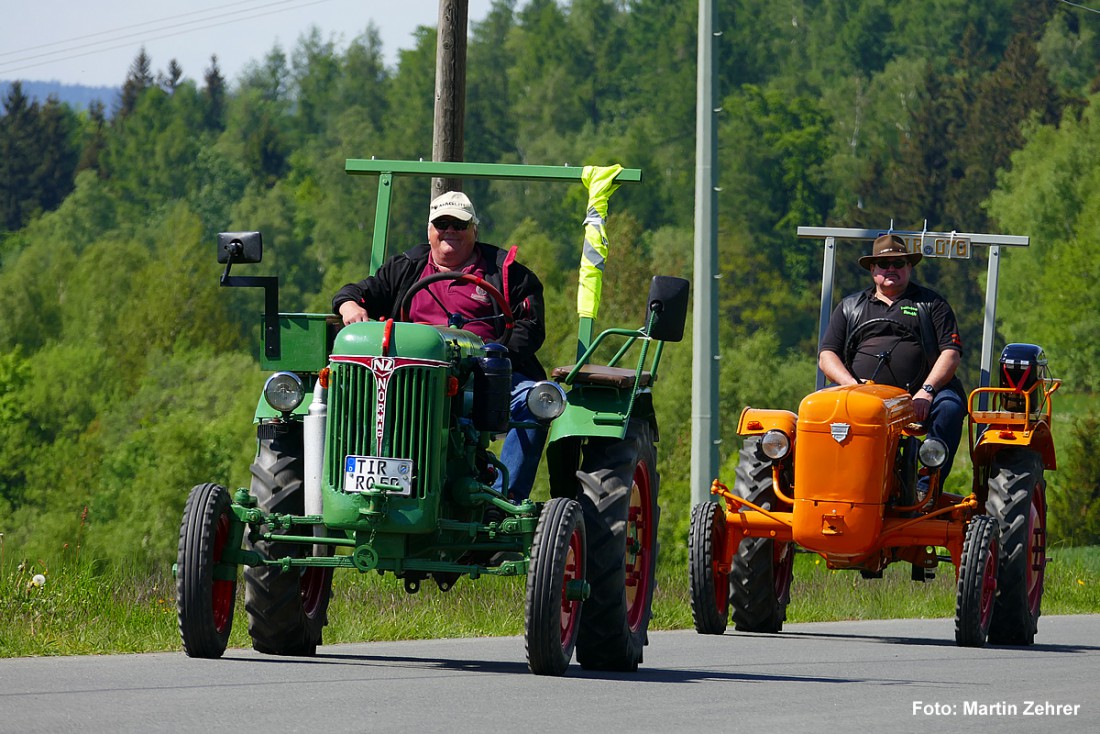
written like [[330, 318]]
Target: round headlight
[[546, 401], [933, 453], [775, 444], [283, 391]]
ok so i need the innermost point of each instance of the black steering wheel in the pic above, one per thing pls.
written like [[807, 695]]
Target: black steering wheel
[[457, 320], [902, 331]]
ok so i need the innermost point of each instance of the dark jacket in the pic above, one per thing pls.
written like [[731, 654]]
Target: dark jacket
[[382, 293], [925, 313]]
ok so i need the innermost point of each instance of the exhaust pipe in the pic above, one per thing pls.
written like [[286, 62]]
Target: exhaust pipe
[[313, 447]]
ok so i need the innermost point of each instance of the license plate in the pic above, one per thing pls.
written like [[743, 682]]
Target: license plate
[[939, 244], [363, 473]]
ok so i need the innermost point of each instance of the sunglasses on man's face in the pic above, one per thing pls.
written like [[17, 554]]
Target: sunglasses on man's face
[[456, 224], [897, 263]]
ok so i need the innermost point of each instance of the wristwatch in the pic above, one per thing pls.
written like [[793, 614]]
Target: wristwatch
[[928, 388]]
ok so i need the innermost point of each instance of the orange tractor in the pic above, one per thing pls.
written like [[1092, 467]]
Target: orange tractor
[[839, 479]]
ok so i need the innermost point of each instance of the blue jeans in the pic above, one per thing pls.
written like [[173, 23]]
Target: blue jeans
[[522, 448], [944, 421]]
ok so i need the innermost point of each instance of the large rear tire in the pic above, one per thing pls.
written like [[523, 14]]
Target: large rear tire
[[710, 587], [762, 569], [206, 591], [554, 593], [1017, 500], [977, 587], [287, 611], [619, 486]]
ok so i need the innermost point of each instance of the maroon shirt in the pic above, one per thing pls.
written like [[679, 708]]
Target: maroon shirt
[[456, 296]]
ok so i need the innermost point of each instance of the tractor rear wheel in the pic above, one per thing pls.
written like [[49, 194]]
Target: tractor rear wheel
[[206, 592], [1017, 500], [762, 568], [710, 587], [555, 587], [977, 587], [619, 486], [286, 610]]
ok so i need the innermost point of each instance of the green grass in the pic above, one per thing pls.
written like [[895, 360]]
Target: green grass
[[78, 611]]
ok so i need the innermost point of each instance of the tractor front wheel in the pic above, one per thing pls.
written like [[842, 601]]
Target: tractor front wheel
[[286, 610], [1017, 499], [762, 569], [206, 590], [555, 587], [619, 484], [710, 586], [977, 588]]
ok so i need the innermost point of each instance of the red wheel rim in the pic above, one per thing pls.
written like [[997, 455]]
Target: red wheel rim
[[639, 546], [314, 587], [570, 608], [222, 591], [717, 553], [989, 585], [1036, 550]]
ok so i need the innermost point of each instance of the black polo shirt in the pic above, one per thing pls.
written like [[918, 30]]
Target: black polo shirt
[[888, 348]]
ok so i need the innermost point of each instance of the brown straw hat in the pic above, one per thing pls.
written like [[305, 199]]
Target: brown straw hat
[[889, 246]]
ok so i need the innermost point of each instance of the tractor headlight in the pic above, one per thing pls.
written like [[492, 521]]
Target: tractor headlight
[[933, 453], [546, 401], [283, 391], [775, 444]]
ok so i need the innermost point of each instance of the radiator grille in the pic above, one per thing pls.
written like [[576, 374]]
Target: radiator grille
[[411, 420]]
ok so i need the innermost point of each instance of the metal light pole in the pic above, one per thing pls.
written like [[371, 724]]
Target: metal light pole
[[704, 392]]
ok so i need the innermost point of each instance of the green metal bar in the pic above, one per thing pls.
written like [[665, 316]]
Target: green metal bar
[[461, 169], [584, 335], [656, 359], [381, 221]]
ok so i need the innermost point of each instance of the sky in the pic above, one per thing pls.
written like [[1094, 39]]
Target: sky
[[93, 42]]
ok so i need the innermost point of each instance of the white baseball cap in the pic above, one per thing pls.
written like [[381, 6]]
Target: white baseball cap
[[452, 204]]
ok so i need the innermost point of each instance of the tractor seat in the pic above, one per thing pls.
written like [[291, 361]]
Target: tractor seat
[[595, 374]]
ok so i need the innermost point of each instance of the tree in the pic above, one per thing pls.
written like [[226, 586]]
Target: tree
[[38, 156], [18, 143], [139, 78], [170, 79], [214, 96], [95, 137]]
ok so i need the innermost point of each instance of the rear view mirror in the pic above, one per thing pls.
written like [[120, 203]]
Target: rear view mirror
[[668, 304], [245, 247]]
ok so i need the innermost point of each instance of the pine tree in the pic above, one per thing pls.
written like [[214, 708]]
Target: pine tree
[[214, 96], [19, 153], [139, 78], [171, 78], [95, 137]]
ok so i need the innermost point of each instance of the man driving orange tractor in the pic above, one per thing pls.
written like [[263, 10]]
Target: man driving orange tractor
[[900, 333]]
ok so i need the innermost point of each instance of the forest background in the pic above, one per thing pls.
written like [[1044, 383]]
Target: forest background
[[127, 375]]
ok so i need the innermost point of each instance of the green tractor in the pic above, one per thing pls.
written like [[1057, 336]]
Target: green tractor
[[374, 454]]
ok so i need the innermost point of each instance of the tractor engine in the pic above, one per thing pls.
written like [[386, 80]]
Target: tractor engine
[[847, 442]]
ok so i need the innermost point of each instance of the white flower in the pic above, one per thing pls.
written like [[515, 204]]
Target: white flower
[[38, 580]]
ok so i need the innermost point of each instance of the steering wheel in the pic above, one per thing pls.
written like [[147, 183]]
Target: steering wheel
[[457, 320], [902, 331]]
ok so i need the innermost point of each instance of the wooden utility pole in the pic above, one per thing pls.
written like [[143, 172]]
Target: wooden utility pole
[[450, 90]]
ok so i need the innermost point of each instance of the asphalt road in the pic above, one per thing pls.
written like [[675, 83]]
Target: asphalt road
[[878, 676]]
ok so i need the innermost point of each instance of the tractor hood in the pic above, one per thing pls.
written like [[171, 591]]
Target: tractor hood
[[399, 339]]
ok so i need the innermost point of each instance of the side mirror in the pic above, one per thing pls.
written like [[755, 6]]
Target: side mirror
[[242, 247], [668, 305]]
